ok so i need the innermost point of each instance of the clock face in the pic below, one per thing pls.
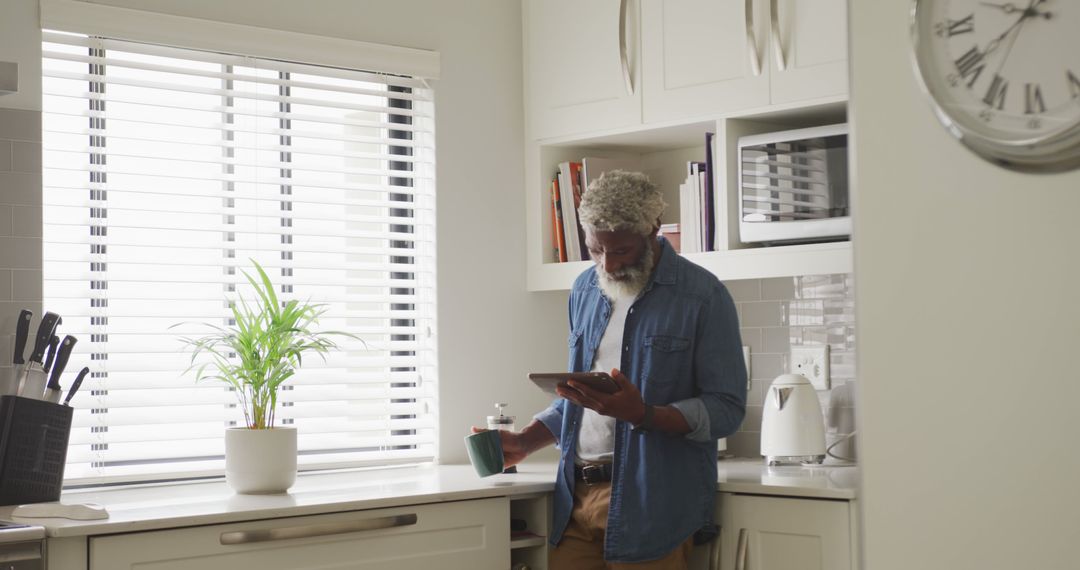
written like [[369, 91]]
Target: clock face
[[1004, 77]]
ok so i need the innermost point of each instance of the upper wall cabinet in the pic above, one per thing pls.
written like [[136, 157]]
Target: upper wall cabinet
[[708, 57], [587, 70], [582, 64]]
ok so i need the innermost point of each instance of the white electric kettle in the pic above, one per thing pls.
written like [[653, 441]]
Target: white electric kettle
[[792, 426]]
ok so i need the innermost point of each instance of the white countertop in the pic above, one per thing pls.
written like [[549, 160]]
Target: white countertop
[[172, 505]]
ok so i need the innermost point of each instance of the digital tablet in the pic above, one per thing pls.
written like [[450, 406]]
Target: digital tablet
[[547, 381]]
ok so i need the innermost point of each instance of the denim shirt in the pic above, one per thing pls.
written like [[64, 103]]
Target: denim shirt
[[681, 345]]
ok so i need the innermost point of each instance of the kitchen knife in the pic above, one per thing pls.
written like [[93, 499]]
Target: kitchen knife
[[33, 373], [75, 385], [53, 391], [9, 377], [22, 329], [50, 352]]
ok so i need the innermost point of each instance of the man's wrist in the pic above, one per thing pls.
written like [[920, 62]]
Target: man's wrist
[[646, 421]]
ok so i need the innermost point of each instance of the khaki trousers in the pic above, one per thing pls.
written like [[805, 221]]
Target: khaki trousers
[[582, 544]]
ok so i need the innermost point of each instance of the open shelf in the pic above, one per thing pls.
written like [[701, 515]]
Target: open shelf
[[662, 152], [750, 263], [527, 541]]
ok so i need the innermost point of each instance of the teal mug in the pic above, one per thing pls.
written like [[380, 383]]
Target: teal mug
[[485, 452]]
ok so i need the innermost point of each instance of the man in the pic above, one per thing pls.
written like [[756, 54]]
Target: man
[[637, 476]]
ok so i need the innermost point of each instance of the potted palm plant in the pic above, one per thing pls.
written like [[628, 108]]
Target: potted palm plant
[[255, 356]]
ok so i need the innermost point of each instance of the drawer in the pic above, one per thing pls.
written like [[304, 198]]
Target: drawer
[[463, 534]]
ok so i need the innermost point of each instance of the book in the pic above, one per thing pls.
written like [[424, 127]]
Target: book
[[689, 217], [710, 195], [557, 231], [570, 198]]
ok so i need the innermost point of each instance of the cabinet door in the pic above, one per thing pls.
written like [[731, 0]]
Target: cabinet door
[[777, 533], [808, 49], [582, 64], [703, 57], [464, 534]]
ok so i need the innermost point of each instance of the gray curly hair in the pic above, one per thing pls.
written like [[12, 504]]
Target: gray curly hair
[[621, 200]]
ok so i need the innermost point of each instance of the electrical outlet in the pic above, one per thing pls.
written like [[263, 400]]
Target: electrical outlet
[[812, 362]]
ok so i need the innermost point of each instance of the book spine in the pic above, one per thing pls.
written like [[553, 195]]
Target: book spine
[[579, 192], [556, 209], [710, 195]]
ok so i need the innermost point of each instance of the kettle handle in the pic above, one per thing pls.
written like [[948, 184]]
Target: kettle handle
[[782, 395]]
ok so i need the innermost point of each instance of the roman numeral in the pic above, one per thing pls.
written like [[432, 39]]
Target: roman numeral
[[964, 26], [971, 63], [1033, 99], [1074, 84], [995, 95]]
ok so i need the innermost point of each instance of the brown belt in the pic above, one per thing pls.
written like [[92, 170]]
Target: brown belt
[[593, 473]]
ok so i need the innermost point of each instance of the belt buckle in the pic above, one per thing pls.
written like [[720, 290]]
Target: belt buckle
[[592, 474]]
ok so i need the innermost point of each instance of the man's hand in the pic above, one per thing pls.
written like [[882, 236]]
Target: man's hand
[[625, 404], [517, 445]]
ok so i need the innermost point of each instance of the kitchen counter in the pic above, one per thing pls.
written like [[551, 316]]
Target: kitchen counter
[[172, 505]]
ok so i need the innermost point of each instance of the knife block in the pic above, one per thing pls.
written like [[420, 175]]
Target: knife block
[[33, 449]]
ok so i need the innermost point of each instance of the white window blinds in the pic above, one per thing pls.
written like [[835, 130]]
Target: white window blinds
[[165, 171]]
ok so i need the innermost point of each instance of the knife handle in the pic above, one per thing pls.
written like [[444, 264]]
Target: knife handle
[[75, 385], [22, 329], [62, 355], [44, 335], [50, 353]]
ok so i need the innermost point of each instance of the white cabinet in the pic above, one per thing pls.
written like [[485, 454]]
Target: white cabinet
[[731, 67], [463, 534], [581, 65], [709, 57], [808, 50], [530, 546], [702, 57], [781, 533]]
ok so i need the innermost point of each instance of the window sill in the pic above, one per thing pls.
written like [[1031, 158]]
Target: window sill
[[172, 505]]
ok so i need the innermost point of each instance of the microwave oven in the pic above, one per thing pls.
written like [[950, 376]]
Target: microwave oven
[[793, 186]]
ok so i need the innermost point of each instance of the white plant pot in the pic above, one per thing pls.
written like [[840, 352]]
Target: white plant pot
[[260, 461]]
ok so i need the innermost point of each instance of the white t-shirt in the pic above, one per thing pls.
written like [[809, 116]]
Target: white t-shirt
[[596, 438]]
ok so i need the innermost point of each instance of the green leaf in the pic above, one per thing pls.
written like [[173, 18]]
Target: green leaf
[[263, 349]]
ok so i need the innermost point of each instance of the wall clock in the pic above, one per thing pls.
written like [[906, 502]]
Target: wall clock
[[1004, 77]]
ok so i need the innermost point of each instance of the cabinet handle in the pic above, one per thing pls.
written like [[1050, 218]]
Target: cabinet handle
[[309, 531], [740, 551], [778, 46], [751, 41], [714, 552], [622, 47]]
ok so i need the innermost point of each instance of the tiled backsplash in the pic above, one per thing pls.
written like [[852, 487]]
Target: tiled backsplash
[[776, 314], [20, 221]]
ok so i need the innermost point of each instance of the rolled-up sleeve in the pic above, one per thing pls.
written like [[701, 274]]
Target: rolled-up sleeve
[[552, 418], [697, 417]]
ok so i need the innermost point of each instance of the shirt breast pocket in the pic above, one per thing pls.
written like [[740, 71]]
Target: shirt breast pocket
[[667, 358]]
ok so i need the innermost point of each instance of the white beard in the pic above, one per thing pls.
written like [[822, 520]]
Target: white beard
[[632, 280]]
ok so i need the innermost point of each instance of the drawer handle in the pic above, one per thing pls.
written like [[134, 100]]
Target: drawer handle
[[751, 41], [740, 551], [308, 531], [778, 45]]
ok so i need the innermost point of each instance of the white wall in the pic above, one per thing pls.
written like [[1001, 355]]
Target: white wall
[[491, 331], [966, 300]]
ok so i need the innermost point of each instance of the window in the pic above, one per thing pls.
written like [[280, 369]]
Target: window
[[166, 171]]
